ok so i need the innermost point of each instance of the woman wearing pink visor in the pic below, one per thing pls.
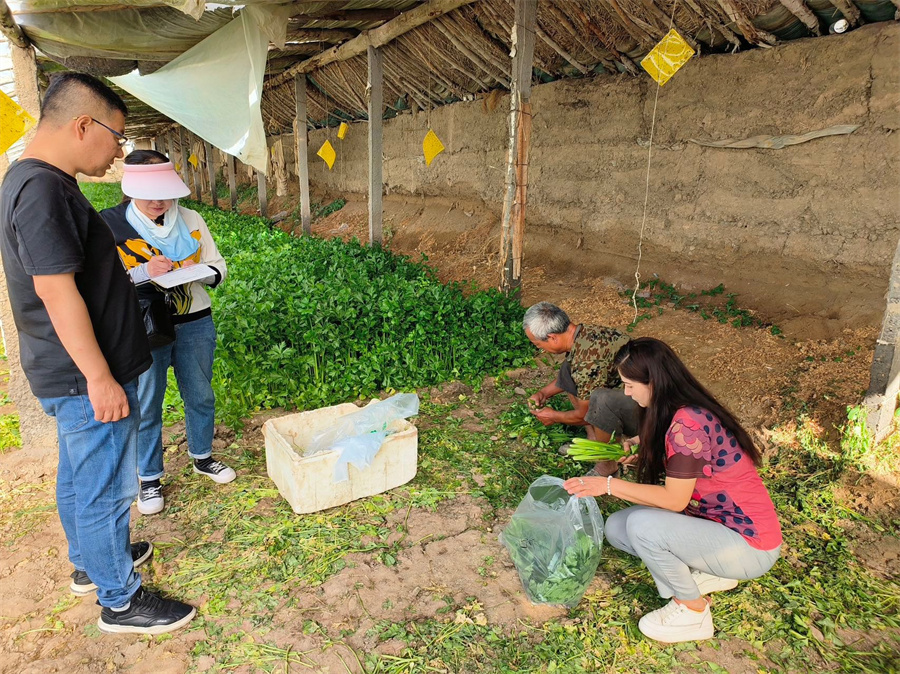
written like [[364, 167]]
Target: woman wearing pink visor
[[155, 235]]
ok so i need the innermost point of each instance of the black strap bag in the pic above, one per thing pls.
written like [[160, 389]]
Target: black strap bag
[[157, 320]]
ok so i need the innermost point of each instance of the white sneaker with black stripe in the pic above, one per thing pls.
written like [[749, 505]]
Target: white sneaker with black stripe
[[150, 499], [214, 470]]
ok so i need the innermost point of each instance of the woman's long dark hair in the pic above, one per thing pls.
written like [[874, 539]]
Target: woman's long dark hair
[[649, 361]]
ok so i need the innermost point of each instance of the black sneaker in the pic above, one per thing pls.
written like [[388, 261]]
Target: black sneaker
[[82, 585], [150, 499], [147, 613], [215, 470]]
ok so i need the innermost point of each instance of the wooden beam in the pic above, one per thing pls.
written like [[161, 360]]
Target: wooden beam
[[301, 138], [559, 50], [375, 94], [11, 29], [354, 15], [263, 194], [232, 180], [799, 9], [377, 37], [512, 224], [211, 165], [313, 35]]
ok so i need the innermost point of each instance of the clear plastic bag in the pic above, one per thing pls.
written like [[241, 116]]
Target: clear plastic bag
[[554, 540], [358, 450], [375, 416]]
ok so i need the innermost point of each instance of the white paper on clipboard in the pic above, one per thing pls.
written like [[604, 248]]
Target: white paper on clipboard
[[184, 275]]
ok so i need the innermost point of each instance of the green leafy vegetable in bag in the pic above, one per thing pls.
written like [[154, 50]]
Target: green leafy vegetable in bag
[[548, 577], [554, 540]]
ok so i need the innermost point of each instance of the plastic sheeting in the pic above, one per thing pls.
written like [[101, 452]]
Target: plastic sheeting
[[159, 34], [203, 89], [192, 7]]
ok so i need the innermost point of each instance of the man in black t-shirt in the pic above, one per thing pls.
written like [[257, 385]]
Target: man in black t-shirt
[[83, 344]]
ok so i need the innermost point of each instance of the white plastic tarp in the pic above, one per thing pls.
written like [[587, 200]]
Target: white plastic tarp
[[215, 88]]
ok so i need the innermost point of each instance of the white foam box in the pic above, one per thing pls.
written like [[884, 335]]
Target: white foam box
[[307, 483]]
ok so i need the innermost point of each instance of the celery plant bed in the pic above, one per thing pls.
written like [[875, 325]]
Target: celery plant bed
[[307, 322]]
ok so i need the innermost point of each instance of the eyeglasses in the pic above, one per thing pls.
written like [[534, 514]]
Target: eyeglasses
[[121, 138]]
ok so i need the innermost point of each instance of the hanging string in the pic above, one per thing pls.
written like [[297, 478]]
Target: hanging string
[[637, 271], [428, 66]]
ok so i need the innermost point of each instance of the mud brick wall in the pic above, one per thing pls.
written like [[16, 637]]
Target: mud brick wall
[[800, 225]]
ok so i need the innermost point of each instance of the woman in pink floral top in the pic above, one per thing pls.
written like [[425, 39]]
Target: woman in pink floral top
[[711, 521]]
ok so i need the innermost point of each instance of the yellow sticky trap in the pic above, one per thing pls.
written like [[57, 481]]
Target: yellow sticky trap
[[342, 130], [667, 57], [14, 122], [178, 167], [431, 147], [193, 161], [326, 152]]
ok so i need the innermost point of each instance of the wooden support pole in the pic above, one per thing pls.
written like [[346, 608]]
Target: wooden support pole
[[195, 170], [184, 155], [232, 180], [202, 172], [301, 138], [11, 29], [375, 94], [263, 195], [884, 380], [512, 225], [37, 429], [211, 165]]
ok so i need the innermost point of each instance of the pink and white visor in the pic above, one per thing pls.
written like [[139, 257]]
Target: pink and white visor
[[153, 181]]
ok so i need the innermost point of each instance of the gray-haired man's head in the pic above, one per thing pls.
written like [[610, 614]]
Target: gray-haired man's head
[[541, 322]]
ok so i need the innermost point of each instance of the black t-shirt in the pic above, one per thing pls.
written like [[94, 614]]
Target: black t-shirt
[[48, 227]]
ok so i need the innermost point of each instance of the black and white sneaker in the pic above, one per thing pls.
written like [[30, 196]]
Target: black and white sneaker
[[214, 470], [147, 613], [150, 499], [82, 585]]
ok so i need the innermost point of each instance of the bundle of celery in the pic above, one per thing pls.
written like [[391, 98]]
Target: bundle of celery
[[583, 449]]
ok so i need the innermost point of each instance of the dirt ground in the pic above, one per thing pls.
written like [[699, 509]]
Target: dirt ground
[[816, 365]]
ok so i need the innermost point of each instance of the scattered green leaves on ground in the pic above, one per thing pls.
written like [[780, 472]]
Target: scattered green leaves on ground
[[655, 295]]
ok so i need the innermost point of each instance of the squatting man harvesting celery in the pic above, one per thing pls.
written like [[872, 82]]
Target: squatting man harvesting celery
[[587, 376]]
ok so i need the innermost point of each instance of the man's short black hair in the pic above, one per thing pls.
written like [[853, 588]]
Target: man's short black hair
[[71, 94]]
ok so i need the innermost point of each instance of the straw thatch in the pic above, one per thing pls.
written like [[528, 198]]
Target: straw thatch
[[459, 55]]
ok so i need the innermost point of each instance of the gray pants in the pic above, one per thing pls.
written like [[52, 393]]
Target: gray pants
[[611, 411], [672, 544]]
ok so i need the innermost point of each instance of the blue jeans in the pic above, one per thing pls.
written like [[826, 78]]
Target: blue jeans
[[191, 356], [671, 544], [95, 488]]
